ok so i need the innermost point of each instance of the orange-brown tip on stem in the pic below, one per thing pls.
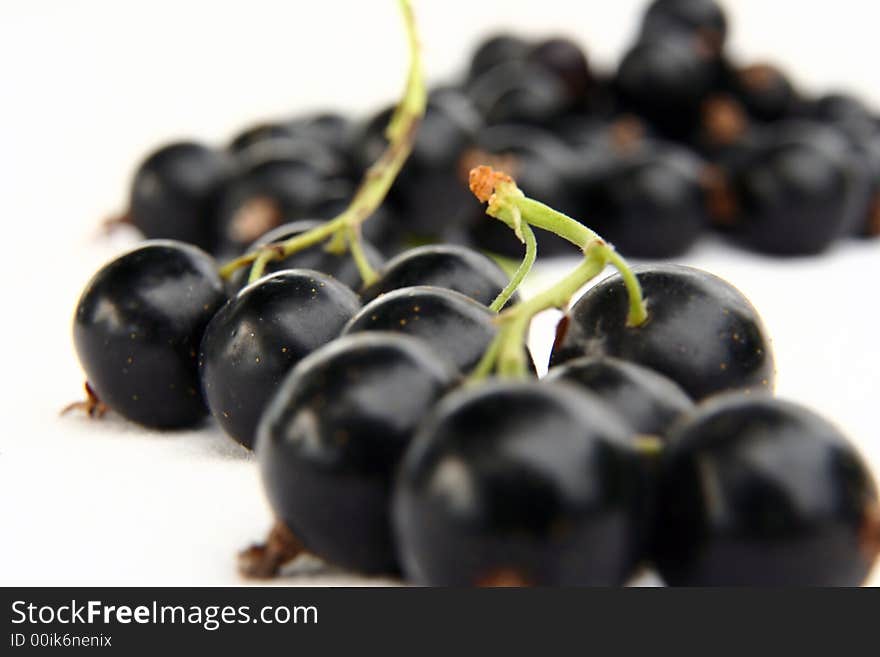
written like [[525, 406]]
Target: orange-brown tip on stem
[[484, 179]]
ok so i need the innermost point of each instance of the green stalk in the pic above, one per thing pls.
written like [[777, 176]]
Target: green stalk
[[506, 354], [374, 187], [521, 272]]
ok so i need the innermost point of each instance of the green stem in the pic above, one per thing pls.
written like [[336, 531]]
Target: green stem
[[543, 216], [356, 245], [376, 183], [487, 362], [521, 272], [259, 266], [638, 311], [507, 203], [511, 355]]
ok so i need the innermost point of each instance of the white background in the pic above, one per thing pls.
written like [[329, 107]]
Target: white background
[[88, 86]]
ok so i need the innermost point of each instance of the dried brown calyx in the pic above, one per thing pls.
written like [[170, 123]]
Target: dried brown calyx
[[626, 133], [265, 560], [504, 577], [869, 533], [483, 180], [873, 227], [255, 218], [721, 201], [724, 121], [476, 157], [91, 405], [758, 76]]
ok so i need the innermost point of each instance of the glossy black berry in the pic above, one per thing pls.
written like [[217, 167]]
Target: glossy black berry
[[175, 192], [649, 402], [496, 50], [137, 330], [284, 180], [521, 92], [765, 91], [329, 128], [340, 266], [702, 20], [453, 267], [333, 435], [456, 326], [566, 60], [260, 334], [796, 190], [845, 112], [762, 492], [649, 202], [520, 484], [665, 81], [701, 331]]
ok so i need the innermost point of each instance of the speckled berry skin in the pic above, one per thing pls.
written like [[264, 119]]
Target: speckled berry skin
[[762, 492], [456, 326], [701, 331], [444, 265], [260, 334], [137, 329], [332, 437], [520, 483]]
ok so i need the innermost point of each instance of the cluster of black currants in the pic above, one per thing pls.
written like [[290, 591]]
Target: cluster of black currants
[[678, 140], [398, 420], [401, 429]]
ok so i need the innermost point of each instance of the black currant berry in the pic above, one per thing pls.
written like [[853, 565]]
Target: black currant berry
[[702, 20], [647, 400], [455, 325], [260, 334], [137, 330], [285, 180], [648, 202], [665, 81], [328, 128], [845, 112], [331, 439], [701, 331], [495, 50], [452, 267], [520, 92], [566, 60], [175, 192], [765, 91], [796, 190], [762, 492], [340, 266], [520, 484]]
